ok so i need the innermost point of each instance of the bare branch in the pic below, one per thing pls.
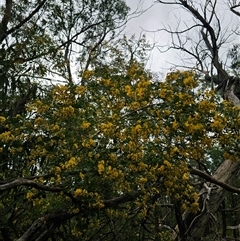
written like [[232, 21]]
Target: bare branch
[[233, 6], [214, 181]]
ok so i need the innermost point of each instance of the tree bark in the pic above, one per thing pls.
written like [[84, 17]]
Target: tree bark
[[211, 199]]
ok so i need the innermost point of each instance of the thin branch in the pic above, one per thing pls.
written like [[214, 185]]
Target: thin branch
[[232, 8]]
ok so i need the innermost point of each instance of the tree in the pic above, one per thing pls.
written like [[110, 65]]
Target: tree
[[40, 41], [110, 159], [113, 152], [203, 53]]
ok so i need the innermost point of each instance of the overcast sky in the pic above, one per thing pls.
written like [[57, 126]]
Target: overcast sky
[[159, 15], [151, 20]]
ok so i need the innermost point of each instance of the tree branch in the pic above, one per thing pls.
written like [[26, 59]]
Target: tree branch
[[215, 181], [26, 182], [58, 216], [233, 7], [5, 19], [2, 37]]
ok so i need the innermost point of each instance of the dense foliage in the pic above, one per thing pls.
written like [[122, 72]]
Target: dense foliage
[[110, 150]]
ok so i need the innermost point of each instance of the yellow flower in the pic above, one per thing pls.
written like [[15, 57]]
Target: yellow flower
[[167, 112], [135, 105], [71, 163], [136, 129], [140, 92], [217, 124], [143, 180], [55, 128], [88, 73], [6, 136], [57, 170], [194, 207], [85, 125], [106, 82], [167, 163], [189, 81], [75, 145], [113, 156], [78, 192], [175, 125], [161, 169], [185, 176], [2, 119], [114, 173], [29, 195], [80, 90], [101, 167], [192, 128], [81, 175], [67, 111], [107, 128], [88, 143], [162, 93]]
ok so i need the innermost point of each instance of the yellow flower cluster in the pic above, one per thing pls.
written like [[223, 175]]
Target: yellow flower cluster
[[78, 192], [173, 76], [72, 162], [136, 130], [218, 123], [88, 74], [128, 90], [101, 167], [112, 173], [80, 90], [176, 178], [134, 105], [6, 136], [67, 112], [2, 119], [55, 127], [194, 128], [186, 99], [88, 143], [206, 106], [62, 94], [85, 125], [132, 70], [107, 128]]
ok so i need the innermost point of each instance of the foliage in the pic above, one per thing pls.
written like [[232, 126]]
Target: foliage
[[234, 55], [108, 152], [41, 39]]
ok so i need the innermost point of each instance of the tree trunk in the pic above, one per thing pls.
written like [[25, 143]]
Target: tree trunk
[[211, 199]]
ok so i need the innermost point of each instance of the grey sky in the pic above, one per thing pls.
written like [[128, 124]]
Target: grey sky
[[159, 15], [152, 20]]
